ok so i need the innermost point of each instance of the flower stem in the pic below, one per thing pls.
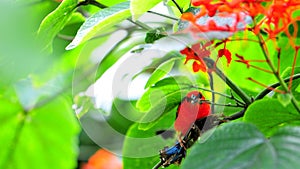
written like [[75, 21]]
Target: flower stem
[[275, 85], [275, 72], [211, 83], [211, 65], [166, 16], [140, 24]]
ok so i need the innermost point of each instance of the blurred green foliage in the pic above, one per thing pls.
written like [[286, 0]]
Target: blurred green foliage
[[44, 90]]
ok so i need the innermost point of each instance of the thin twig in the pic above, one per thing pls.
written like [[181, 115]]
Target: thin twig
[[262, 69], [265, 86], [293, 69], [211, 65], [225, 105], [279, 78], [218, 93], [181, 11], [140, 24], [207, 90], [260, 96], [235, 99], [278, 60], [275, 85], [92, 2], [211, 83], [65, 37], [166, 16], [236, 115], [159, 164]]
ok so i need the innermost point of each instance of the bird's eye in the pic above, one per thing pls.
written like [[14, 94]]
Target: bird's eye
[[194, 99], [199, 95]]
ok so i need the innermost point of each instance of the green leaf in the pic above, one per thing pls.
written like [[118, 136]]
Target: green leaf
[[297, 89], [100, 21], [155, 34], [184, 5], [54, 23], [295, 83], [47, 134], [83, 104], [284, 99], [292, 29], [141, 148], [241, 145], [160, 99], [287, 72], [123, 115], [157, 61], [161, 89], [161, 71], [20, 55], [138, 7], [269, 114], [117, 52]]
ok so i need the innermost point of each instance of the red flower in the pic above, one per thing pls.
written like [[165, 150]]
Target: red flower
[[279, 14], [225, 52], [196, 53], [199, 65], [243, 60], [247, 62], [103, 159]]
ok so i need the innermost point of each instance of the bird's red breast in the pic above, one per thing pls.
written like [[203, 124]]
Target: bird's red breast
[[189, 110]]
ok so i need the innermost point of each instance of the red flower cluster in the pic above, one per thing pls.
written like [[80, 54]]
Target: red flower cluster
[[278, 14], [197, 53], [233, 9]]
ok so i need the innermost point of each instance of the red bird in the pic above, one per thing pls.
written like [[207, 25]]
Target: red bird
[[191, 109]]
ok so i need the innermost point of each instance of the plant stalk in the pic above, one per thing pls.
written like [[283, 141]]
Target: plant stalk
[[275, 72], [211, 65]]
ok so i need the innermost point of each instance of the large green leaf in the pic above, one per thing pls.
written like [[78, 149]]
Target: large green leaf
[[43, 137], [55, 22], [100, 21], [117, 52], [268, 114], [161, 71], [141, 148], [138, 7], [158, 61], [19, 54], [160, 99], [161, 90], [241, 145]]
